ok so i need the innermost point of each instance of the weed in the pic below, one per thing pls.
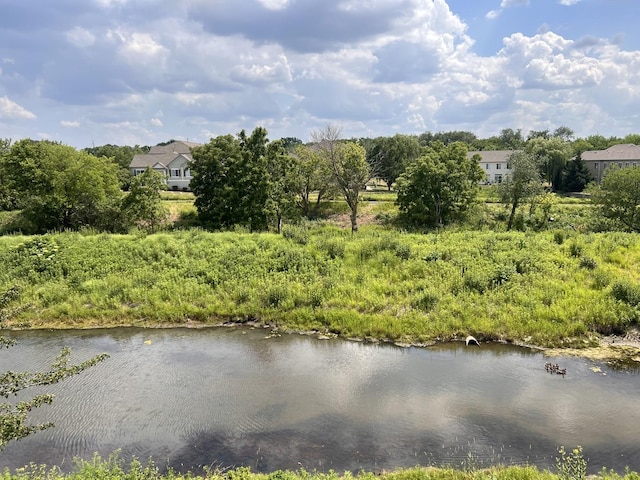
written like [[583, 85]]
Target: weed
[[571, 465]]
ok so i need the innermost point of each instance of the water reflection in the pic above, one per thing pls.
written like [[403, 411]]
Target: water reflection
[[230, 397]]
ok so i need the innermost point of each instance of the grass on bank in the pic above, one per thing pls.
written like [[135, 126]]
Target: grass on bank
[[570, 466], [554, 288]]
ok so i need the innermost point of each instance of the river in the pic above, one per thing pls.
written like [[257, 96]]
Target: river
[[226, 397]]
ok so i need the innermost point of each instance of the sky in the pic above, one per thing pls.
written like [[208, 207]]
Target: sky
[[140, 72]]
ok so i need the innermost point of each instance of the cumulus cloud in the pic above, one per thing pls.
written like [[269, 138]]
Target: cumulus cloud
[[137, 70], [11, 110], [70, 123]]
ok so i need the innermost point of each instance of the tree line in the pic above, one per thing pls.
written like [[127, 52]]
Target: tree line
[[248, 180]]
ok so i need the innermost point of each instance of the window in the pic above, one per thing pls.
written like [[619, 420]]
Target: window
[[498, 178], [508, 166], [635, 164], [176, 172], [187, 172], [486, 166], [619, 164], [626, 165], [498, 166], [138, 171], [595, 165]]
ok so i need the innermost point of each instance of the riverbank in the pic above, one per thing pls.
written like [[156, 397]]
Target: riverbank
[[113, 468], [559, 289]]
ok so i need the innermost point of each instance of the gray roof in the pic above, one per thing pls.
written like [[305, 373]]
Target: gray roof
[[174, 147], [627, 151], [492, 155], [163, 154]]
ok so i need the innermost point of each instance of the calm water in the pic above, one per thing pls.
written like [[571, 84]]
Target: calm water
[[231, 397]]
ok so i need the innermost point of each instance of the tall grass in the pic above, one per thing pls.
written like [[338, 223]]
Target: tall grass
[[402, 287]]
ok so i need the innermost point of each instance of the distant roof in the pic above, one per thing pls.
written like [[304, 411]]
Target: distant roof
[[174, 147], [163, 154], [492, 155], [626, 151]]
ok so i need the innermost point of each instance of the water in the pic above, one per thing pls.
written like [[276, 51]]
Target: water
[[230, 397]]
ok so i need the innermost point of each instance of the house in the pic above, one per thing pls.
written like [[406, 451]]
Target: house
[[494, 163], [624, 156], [171, 160]]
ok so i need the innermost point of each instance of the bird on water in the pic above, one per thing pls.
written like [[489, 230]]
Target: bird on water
[[470, 340]]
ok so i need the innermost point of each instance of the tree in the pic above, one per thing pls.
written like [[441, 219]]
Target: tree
[[575, 176], [121, 156], [311, 174], [231, 180], [618, 197], [389, 156], [440, 186], [511, 139], [551, 155], [348, 164], [281, 200], [58, 187], [143, 205], [14, 421], [522, 184]]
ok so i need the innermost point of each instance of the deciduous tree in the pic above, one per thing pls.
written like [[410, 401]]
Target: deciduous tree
[[618, 197], [440, 186], [522, 184], [389, 156], [231, 180], [58, 187], [348, 164], [143, 205]]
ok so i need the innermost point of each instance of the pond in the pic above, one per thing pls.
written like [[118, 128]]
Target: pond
[[228, 397]]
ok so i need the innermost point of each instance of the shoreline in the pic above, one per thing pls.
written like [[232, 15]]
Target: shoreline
[[619, 351]]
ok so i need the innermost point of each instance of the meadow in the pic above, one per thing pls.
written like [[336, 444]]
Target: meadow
[[560, 286]]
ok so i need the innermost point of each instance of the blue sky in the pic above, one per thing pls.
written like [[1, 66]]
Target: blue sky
[[129, 72]]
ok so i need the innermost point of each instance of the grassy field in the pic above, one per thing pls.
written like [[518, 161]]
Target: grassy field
[[553, 288]]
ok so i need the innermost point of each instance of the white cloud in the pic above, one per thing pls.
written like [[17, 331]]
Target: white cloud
[[80, 37], [274, 4], [10, 109], [513, 3], [493, 14], [156, 122], [568, 2], [70, 123]]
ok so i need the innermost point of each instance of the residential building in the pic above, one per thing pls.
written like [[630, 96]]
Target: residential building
[[172, 160], [494, 163], [623, 156]]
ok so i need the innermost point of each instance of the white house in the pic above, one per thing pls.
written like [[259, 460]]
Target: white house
[[171, 160], [623, 156], [494, 163]]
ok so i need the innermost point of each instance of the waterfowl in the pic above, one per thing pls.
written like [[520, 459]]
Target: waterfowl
[[471, 341]]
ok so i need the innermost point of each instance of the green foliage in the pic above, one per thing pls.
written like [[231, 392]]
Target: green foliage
[[143, 205], [58, 187], [439, 187], [626, 292], [231, 181], [618, 197], [522, 185], [571, 465], [389, 156]]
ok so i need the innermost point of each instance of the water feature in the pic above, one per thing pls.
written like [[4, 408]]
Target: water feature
[[230, 396]]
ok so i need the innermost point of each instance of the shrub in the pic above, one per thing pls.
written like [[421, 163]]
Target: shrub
[[626, 292], [403, 251], [558, 237], [296, 233], [588, 263], [571, 466], [425, 302]]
